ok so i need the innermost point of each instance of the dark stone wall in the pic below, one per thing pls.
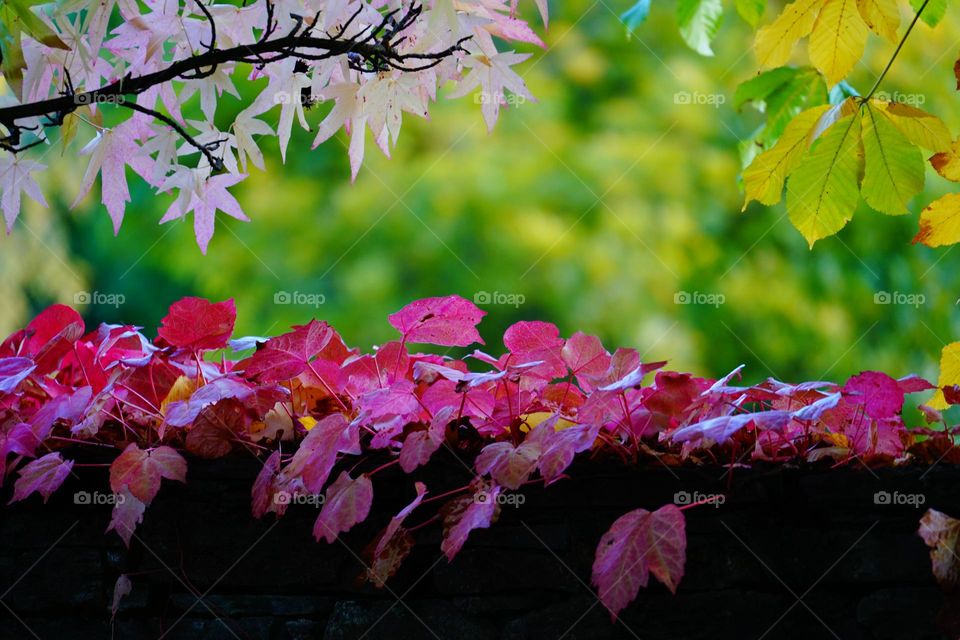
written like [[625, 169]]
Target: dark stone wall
[[792, 553]]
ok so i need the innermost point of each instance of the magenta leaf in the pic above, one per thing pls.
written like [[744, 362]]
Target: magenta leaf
[[196, 324], [43, 475], [449, 321], [139, 470], [288, 355], [639, 543], [881, 395], [477, 509], [347, 503]]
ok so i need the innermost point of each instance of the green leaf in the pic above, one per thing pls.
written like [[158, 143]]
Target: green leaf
[[822, 192], [934, 12], [635, 15], [699, 22], [763, 179], [893, 169], [17, 15], [757, 89], [751, 10]]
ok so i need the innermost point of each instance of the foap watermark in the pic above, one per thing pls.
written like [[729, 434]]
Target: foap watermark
[[914, 300], [499, 97], [682, 498], [499, 297], [288, 498], [484, 495], [699, 297], [299, 298], [99, 298], [96, 498], [897, 499], [699, 98], [98, 98], [912, 99]]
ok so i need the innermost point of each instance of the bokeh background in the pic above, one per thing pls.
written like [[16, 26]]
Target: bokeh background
[[597, 207]]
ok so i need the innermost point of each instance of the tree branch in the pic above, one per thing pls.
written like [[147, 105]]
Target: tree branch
[[370, 51]]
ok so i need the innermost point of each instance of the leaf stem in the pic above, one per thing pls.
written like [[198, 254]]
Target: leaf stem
[[896, 51]]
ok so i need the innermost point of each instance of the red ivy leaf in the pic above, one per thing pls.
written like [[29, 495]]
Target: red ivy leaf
[[639, 543], [127, 514], [50, 335], [317, 454], [449, 321], [475, 510], [347, 503], [420, 445], [287, 356], [198, 324], [264, 487], [393, 544], [881, 395], [139, 470], [43, 475]]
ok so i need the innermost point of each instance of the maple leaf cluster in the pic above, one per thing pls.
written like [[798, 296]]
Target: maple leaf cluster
[[326, 420], [65, 67]]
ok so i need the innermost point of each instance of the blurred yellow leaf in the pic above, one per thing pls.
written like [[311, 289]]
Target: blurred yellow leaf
[[949, 375]]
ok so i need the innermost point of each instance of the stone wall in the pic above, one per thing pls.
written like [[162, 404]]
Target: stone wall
[[791, 554]]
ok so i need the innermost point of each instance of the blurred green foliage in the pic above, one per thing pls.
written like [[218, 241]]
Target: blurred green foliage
[[598, 205]]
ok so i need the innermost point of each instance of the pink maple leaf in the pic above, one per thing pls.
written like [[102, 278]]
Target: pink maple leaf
[[449, 321], [139, 470], [43, 475]]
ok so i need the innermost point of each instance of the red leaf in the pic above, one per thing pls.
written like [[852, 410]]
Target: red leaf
[[639, 543], [50, 335], [585, 355], [393, 544], [881, 395], [197, 324], [139, 471], [420, 445], [317, 454], [265, 486], [213, 433], [43, 475], [449, 321], [287, 356], [127, 514], [477, 509], [532, 341], [347, 503]]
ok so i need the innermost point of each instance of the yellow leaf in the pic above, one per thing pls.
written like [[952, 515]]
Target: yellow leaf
[[823, 191], [947, 163], [531, 421], [308, 422], [775, 42], [949, 375], [181, 390], [763, 179], [838, 39], [940, 224], [920, 128], [882, 16]]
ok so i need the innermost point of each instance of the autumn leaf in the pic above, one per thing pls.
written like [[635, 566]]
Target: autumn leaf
[[823, 190], [881, 16], [13, 371], [450, 321], [775, 42], [838, 39], [941, 532], [288, 355], [393, 544], [949, 374], [139, 470], [893, 167], [637, 544], [947, 163], [198, 324], [921, 128], [940, 222], [477, 509], [43, 475], [347, 502], [126, 515]]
